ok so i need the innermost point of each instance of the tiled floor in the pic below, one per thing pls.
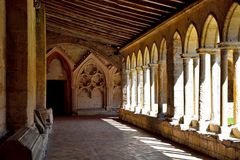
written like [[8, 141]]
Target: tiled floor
[[101, 138]]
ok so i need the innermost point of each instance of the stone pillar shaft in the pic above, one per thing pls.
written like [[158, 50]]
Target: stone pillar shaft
[[188, 88], [196, 86], [154, 87], [215, 83], [146, 90], [21, 63], [128, 90], [41, 57], [204, 88], [224, 87], [133, 90], [236, 60], [139, 89]]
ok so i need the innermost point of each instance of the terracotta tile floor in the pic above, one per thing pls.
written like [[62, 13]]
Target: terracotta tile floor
[[102, 138]]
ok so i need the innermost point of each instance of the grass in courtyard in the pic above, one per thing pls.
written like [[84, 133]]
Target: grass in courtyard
[[230, 121]]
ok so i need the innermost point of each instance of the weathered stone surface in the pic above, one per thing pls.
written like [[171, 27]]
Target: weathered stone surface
[[206, 143]]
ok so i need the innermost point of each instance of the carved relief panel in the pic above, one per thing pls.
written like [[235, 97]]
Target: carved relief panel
[[91, 87]]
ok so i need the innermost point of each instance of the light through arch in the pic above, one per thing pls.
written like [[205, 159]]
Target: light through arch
[[163, 77], [154, 54], [210, 36], [178, 110]]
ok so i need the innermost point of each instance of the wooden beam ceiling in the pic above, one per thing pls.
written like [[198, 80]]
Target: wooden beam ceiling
[[109, 22]]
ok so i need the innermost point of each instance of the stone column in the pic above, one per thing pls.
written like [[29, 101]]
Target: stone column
[[215, 83], [236, 60], [154, 89], [146, 90], [139, 89], [134, 90], [204, 90], [41, 57], [196, 86], [188, 89], [21, 63], [128, 90], [225, 50]]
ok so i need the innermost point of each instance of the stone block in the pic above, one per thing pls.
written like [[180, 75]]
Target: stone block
[[26, 144]]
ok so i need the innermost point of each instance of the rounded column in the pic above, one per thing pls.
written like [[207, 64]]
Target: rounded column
[[154, 86], [133, 90], [128, 86], [236, 60], [146, 90], [139, 90], [204, 90]]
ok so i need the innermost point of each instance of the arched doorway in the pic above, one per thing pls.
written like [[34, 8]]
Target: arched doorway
[[58, 84]]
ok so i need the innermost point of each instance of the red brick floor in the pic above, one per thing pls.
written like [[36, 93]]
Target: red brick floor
[[102, 138]]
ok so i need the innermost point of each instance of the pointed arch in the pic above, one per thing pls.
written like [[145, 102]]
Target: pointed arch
[[133, 61], [139, 58], [178, 99], [67, 65], [231, 29], [154, 54], [163, 50], [210, 36], [191, 40], [146, 60]]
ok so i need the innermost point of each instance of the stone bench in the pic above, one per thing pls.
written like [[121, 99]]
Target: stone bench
[[25, 144]]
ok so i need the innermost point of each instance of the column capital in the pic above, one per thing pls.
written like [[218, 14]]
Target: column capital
[[145, 67], [189, 55], [229, 45], [133, 70], [208, 50], [153, 65], [127, 71], [138, 68]]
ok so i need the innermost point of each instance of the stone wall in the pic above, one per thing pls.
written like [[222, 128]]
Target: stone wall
[[94, 82], [2, 68], [209, 144]]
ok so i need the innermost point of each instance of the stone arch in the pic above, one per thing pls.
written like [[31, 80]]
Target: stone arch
[[146, 57], [139, 58], [191, 40], [163, 50], [178, 76], [98, 79], [231, 29], [154, 54], [67, 66], [163, 76], [91, 82], [210, 36], [133, 61], [192, 93], [128, 63]]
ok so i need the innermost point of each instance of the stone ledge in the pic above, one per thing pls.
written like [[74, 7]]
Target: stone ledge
[[210, 144]]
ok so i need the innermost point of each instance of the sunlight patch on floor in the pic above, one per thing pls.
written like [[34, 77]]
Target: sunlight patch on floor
[[118, 125]]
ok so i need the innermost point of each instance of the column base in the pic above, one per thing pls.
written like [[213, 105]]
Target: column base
[[161, 116], [203, 126], [153, 113], [225, 132], [138, 110], [236, 130], [127, 107], [132, 109], [186, 123], [176, 121], [145, 111]]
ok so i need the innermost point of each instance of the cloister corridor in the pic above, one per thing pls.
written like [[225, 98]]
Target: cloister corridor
[[108, 138]]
